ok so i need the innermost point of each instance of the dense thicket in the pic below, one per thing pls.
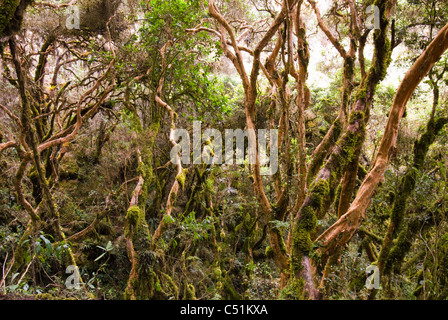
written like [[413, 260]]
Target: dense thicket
[[89, 116]]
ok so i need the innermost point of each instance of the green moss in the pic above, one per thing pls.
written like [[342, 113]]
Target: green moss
[[169, 286], [398, 251], [7, 11], [142, 170], [382, 57], [279, 236], [308, 219], [189, 292], [419, 288], [33, 174], [127, 294], [222, 234], [134, 218], [229, 289], [387, 59], [49, 296], [269, 253], [306, 224], [319, 190], [393, 254], [357, 116], [238, 227], [180, 178], [362, 93], [218, 273], [45, 296], [144, 286], [133, 215], [337, 128], [293, 291], [22, 251], [302, 241], [349, 146], [358, 282], [337, 197], [362, 172], [247, 220], [319, 158], [421, 146]]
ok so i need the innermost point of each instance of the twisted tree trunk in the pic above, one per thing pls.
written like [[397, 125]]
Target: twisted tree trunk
[[345, 227]]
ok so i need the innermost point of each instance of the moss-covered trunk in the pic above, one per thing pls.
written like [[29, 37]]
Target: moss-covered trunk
[[321, 195], [142, 278], [390, 253], [11, 16]]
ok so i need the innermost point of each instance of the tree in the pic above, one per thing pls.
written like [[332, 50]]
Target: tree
[[92, 155]]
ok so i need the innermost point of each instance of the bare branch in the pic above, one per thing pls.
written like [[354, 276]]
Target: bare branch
[[327, 31]]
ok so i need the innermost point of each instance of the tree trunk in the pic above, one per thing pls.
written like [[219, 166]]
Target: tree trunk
[[343, 229]]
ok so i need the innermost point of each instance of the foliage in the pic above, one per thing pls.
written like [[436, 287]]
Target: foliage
[[86, 177]]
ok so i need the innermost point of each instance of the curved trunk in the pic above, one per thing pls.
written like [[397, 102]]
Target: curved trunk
[[343, 229]]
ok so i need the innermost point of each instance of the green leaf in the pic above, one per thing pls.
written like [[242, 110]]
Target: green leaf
[[38, 248], [15, 275], [47, 243], [13, 287], [102, 255]]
